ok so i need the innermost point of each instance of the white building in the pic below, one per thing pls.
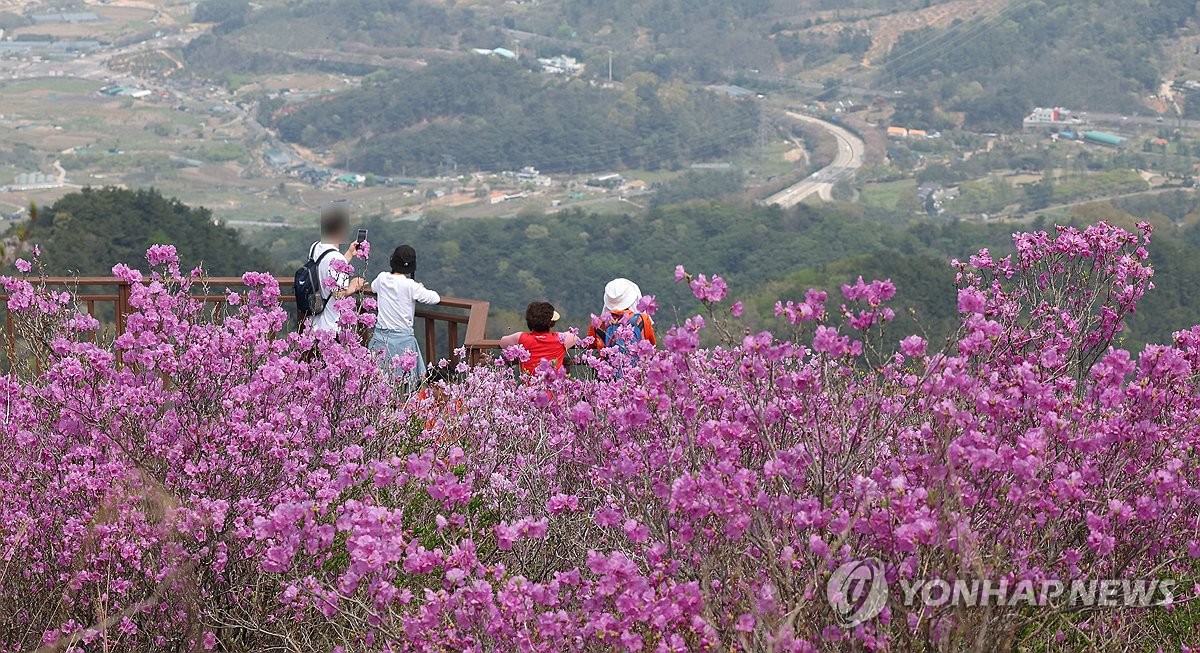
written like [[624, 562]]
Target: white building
[[560, 65], [1050, 117]]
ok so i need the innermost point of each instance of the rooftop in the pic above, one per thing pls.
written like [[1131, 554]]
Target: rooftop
[[731, 91]]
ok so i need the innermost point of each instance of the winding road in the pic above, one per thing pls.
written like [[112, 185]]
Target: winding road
[[848, 160]]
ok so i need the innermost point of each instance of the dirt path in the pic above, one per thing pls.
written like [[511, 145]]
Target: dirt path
[[886, 30]]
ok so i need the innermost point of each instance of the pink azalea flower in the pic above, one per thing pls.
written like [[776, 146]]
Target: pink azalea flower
[[913, 346]]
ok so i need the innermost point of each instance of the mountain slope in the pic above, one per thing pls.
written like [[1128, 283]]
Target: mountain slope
[[88, 232], [1102, 54], [490, 114]]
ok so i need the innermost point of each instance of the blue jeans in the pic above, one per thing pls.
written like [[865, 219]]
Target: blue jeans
[[395, 342]]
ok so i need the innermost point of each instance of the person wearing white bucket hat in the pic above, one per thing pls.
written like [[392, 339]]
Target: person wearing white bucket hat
[[621, 295], [621, 298]]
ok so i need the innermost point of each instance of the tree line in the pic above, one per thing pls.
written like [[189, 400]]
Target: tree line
[[765, 253]]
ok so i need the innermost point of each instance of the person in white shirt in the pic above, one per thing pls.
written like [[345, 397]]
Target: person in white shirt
[[335, 228], [397, 294]]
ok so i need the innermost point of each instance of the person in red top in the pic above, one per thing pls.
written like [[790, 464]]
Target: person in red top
[[541, 343], [621, 297]]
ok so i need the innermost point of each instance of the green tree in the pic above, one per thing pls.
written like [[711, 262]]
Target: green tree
[[228, 12], [1038, 195]]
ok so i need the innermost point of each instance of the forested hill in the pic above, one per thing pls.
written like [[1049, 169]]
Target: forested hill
[[88, 232], [486, 113], [1100, 54], [695, 39], [766, 254], [990, 66], [568, 258]]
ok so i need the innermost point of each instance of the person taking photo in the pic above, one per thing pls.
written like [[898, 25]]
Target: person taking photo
[[335, 285]]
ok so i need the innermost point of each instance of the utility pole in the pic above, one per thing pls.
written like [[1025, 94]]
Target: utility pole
[[610, 66]]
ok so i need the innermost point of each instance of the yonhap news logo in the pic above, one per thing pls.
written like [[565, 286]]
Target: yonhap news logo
[[1076, 594], [858, 591]]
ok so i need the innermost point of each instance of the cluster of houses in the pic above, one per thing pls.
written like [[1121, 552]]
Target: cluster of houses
[[523, 178], [490, 188], [283, 162]]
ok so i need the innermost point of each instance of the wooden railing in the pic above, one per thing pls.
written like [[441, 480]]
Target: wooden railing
[[442, 328]]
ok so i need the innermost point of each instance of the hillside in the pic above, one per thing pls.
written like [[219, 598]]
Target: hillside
[[1101, 53], [1097, 55], [486, 113], [701, 39], [567, 258], [88, 232], [423, 103], [764, 253]]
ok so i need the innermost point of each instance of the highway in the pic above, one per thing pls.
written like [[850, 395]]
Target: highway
[[848, 160], [1145, 121]]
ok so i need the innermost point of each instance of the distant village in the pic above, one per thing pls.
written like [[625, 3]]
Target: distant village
[[490, 188], [904, 142]]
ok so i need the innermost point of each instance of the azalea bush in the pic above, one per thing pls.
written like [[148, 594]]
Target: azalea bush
[[210, 482]]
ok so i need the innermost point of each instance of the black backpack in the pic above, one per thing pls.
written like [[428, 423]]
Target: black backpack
[[309, 299]]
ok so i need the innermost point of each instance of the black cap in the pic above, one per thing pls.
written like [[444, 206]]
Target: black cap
[[404, 260]]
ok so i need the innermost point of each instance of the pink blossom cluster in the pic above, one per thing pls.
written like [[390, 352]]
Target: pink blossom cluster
[[212, 484], [708, 290]]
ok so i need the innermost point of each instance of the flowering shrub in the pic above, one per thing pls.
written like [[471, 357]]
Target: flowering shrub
[[213, 484]]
